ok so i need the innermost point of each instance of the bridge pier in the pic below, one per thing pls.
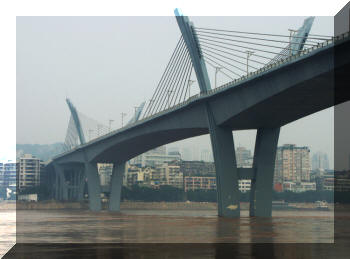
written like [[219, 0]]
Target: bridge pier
[[116, 187], [263, 165], [94, 186], [61, 186], [226, 169]]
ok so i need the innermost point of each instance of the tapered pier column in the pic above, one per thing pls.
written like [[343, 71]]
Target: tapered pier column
[[62, 188], [94, 186], [226, 169], [116, 187], [264, 166]]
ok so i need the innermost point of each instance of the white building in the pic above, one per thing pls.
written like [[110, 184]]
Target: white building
[[244, 185], [29, 169], [299, 186]]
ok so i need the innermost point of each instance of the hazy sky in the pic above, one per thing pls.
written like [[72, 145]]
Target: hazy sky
[[108, 65]]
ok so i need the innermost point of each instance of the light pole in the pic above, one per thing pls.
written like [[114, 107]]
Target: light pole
[[249, 53], [110, 125], [123, 114], [291, 33], [135, 107], [99, 126], [190, 82], [90, 131], [217, 69]]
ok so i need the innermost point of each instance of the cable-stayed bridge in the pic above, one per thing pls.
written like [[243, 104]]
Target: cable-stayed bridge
[[271, 80]]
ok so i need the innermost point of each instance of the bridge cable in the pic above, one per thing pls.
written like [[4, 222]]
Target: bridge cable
[[187, 79], [205, 47], [169, 73], [246, 42], [207, 54], [161, 80], [169, 82], [267, 34], [241, 51], [179, 67], [219, 70], [253, 38], [182, 83], [222, 66], [239, 62]]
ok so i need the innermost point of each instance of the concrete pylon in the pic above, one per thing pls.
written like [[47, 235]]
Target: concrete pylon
[[221, 138], [94, 186], [116, 187], [264, 166], [61, 186]]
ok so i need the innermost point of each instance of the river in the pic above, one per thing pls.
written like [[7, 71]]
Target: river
[[163, 226]]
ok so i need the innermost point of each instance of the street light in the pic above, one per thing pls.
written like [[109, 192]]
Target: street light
[[291, 33], [135, 107], [110, 125], [123, 114], [217, 69], [249, 53], [190, 82], [99, 126], [90, 131]]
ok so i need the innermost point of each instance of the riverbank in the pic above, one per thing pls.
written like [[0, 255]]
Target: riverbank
[[134, 205]]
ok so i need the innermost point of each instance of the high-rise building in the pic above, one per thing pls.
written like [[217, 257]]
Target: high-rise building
[[320, 161], [186, 154], [243, 157], [292, 164], [105, 172], [154, 157], [206, 155], [28, 171]]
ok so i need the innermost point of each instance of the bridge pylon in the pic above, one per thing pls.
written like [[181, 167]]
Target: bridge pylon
[[221, 137]]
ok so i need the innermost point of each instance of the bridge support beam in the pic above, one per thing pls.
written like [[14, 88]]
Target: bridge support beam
[[116, 187], [226, 169], [61, 186], [263, 165], [94, 186]]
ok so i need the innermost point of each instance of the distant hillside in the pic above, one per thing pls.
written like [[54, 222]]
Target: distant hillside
[[43, 152]]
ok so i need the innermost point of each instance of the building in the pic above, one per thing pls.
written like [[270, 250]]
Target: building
[[244, 185], [206, 155], [9, 175], [170, 175], [292, 164], [154, 158], [243, 157], [29, 171], [193, 183], [105, 172], [197, 168], [186, 154], [320, 161], [299, 186]]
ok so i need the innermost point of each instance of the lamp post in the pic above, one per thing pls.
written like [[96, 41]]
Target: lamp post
[[217, 69], [249, 53], [190, 82], [291, 33], [110, 125], [99, 126], [90, 131], [123, 114]]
